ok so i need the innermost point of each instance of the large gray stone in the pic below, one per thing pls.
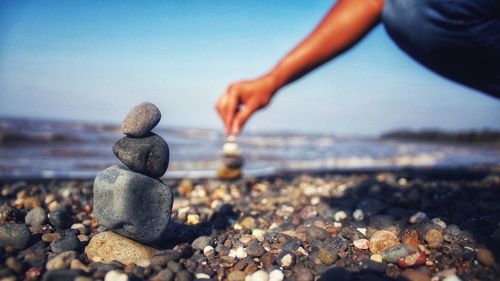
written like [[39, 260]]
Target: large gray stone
[[14, 236], [148, 155], [131, 204], [141, 119]]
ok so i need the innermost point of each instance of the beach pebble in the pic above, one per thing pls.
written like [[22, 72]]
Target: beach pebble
[[452, 278], [132, 204], [485, 256], [316, 233], [276, 275], [254, 249], [358, 215], [8, 213], [65, 243], [36, 217], [286, 259], [259, 275], [60, 219], [141, 119], [362, 244], [236, 275], [434, 238], [377, 258], [13, 264], [14, 236], [410, 237], [241, 253], [451, 233], [63, 260], [147, 155], [108, 246], [230, 148], [371, 265], [209, 251], [439, 222], [327, 256], [201, 243], [248, 222], [395, 253], [418, 218], [115, 275], [259, 234], [382, 240], [233, 161], [340, 216], [412, 260]]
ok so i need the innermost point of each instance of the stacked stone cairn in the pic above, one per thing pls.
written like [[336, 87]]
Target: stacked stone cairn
[[233, 160], [132, 201]]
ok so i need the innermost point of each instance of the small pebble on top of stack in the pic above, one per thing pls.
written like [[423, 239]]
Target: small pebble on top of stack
[[132, 201], [233, 160]]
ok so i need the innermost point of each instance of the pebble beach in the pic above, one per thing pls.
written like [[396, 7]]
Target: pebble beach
[[396, 225]]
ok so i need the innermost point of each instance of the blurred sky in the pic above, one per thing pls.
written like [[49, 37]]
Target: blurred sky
[[93, 60]]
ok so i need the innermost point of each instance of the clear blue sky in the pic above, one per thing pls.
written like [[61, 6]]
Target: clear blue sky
[[93, 60]]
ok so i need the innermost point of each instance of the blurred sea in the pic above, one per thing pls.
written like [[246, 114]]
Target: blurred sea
[[47, 149]]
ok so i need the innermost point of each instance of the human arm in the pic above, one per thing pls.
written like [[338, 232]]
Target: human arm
[[344, 25]]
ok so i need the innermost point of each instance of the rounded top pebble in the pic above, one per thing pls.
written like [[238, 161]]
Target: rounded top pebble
[[141, 120]]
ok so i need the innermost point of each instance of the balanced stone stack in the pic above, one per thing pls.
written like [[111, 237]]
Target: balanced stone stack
[[132, 201], [232, 159]]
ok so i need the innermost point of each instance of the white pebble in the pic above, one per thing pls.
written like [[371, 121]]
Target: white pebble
[[259, 234], [439, 222], [315, 200], [337, 224], [259, 275], [286, 260], [208, 250], [358, 215], [241, 253], [201, 275], [340, 215], [232, 253], [115, 275], [362, 230], [418, 217], [452, 278], [276, 275]]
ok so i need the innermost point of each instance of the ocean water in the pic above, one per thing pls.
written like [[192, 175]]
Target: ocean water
[[46, 149]]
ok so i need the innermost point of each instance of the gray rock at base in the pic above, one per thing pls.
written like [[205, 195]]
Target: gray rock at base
[[14, 236], [132, 204], [141, 119], [36, 217], [148, 155]]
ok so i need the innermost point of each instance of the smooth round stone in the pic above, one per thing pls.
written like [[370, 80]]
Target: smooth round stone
[[60, 219], [233, 161], [148, 155], [61, 261], [259, 275], [163, 275], [410, 237], [254, 249], [14, 236], [141, 119], [132, 204], [276, 275], [327, 256], [451, 233], [108, 246], [316, 233], [65, 243], [485, 257], [36, 217], [394, 253], [236, 275], [382, 240], [434, 238], [201, 242], [115, 275]]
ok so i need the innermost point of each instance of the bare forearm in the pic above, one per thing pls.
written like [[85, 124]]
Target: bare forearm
[[346, 23]]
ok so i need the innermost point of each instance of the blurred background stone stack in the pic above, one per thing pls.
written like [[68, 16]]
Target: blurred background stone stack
[[132, 201], [233, 160]]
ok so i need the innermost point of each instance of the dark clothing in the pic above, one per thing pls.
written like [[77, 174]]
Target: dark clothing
[[459, 39]]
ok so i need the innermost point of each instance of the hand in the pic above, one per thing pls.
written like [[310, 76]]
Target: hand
[[242, 100]]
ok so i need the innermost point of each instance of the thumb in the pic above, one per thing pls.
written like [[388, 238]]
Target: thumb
[[241, 118]]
